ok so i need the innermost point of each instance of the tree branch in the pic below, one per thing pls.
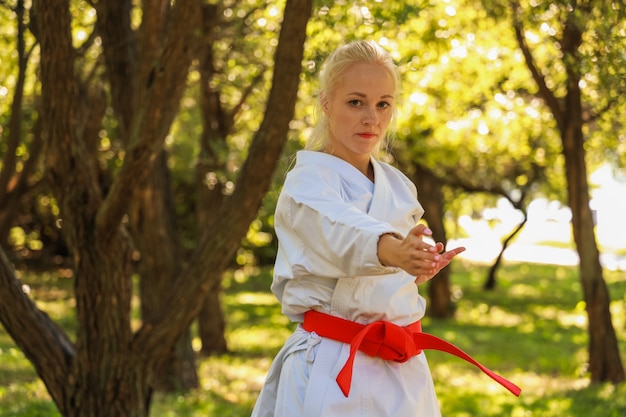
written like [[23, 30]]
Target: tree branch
[[244, 96], [118, 47], [9, 161], [155, 113], [544, 91], [43, 342], [593, 115]]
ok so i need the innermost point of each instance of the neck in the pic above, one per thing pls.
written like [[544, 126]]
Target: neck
[[365, 167], [360, 162]]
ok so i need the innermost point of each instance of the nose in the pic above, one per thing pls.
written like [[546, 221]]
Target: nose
[[370, 116]]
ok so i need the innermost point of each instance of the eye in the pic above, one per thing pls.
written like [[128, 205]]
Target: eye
[[384, 105], [355, 102]]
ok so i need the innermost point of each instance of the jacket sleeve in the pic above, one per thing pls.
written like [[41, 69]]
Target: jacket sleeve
[[324, 235]]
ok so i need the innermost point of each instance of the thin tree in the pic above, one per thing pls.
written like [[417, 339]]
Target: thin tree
[[567, 107], [16, 183]]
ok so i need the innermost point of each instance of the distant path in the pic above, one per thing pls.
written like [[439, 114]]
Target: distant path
[[487, 250]]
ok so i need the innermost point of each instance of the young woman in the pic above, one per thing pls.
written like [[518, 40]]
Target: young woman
[[350, 258]]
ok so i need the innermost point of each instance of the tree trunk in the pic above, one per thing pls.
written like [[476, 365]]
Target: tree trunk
[[107, 375], [604, 358], [154, 230], [153, 212], [212, 324], [491, 281], [431, 197], [605, 364], [211, 176]]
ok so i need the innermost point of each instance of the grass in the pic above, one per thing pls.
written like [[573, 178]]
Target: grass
[[531, 329]]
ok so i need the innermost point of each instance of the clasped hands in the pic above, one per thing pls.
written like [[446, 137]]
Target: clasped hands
[[414, 255]]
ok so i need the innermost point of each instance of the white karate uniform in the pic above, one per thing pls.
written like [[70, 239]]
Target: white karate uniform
[[328, 220]]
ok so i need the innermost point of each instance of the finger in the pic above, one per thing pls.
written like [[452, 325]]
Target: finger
[[453, 252], [421, 230], [458, 250], [425, 253], [437, 248], [416, 245]]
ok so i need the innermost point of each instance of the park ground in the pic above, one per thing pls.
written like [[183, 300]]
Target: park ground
[[531, 329]]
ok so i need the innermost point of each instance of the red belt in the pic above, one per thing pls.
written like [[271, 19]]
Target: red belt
[[387, 341]]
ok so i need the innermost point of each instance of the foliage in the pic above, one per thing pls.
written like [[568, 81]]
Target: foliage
[[467, 115], [468, 104], [601, 65], [531, 329]]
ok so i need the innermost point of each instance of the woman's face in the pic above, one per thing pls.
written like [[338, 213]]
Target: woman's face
[[359, 110]]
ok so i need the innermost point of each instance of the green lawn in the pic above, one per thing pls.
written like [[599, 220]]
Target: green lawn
[[531, 329]]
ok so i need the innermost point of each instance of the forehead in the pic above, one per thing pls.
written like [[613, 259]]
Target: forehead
[[366, 78]]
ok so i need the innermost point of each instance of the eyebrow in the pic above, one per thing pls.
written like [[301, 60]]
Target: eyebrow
[[356, 93]]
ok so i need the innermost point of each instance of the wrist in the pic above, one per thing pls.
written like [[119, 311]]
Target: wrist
[[387, 247]]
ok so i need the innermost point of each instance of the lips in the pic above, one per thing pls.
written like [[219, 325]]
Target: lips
[[367, 135]]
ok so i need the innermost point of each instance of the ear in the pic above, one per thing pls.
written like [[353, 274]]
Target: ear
[[324, 103]]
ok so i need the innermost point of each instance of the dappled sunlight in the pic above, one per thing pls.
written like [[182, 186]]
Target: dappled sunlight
[[22, 393], [541, 385], [459, 376], [57, 309], [531, 329], [574, 318], [26, 399], [228, 387], [255, 324], [255, 313], [257, 339], [466, 392], [531, 323], [524, 290], [233, 379], [52, 292], [618, 313], [15, 368], [485, 315], [256, 298]]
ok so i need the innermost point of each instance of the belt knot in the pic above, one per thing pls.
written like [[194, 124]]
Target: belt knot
[[387, 341]]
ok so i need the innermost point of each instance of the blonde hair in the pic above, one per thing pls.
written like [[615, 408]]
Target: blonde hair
[[332, 72]]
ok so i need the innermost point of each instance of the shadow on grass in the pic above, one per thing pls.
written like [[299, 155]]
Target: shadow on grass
[[198, 404], [508, 349], [19, 375], [594, 401], [532, 330], [29, 407], [25, 397]]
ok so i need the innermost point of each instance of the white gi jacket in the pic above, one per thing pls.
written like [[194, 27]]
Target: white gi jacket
[[328, 220]]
